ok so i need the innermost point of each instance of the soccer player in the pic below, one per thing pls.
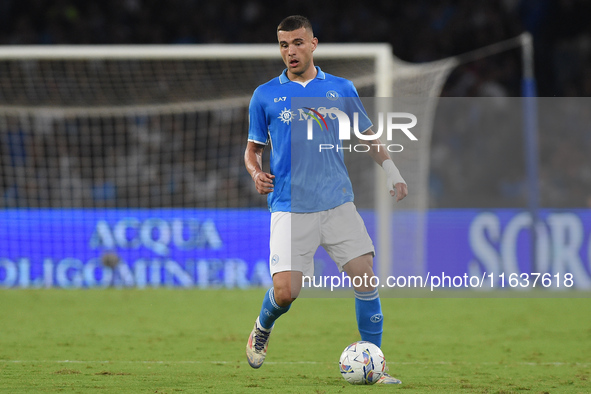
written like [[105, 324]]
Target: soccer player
[[327, 216]]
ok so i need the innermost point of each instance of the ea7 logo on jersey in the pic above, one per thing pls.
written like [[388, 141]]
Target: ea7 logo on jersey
[[278, 99]]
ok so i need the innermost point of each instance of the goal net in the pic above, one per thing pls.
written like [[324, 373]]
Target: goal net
[[128, 128], [135, 127]]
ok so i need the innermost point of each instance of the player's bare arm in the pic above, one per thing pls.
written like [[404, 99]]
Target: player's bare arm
[[381, 156], [253, 160]]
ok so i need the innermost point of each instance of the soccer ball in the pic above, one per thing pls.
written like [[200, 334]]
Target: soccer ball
[[362, 363]]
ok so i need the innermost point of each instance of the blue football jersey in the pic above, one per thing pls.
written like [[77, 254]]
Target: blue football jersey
[[307, 179]]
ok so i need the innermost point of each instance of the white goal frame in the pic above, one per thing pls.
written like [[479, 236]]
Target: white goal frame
[[382, 80], [388, 70]]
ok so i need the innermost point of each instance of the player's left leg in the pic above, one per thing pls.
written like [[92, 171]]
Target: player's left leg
[[368, 308], [346, 240], [348, 243]]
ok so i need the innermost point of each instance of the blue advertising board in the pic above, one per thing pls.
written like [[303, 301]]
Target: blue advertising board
[[475, 242], [163, 247], [66, 248]]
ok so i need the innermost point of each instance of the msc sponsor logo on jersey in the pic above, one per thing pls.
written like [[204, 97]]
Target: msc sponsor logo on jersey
[[286, 116], [332, 95], [306, 112]]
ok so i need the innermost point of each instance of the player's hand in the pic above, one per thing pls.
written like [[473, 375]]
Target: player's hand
[[263, 182], [399, 191], [395, 182]]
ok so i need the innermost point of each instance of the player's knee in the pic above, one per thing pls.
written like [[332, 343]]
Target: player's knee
[[360, 266], [286, 287], [285, 295]]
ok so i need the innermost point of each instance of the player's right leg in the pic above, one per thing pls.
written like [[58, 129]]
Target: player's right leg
[[286, 268], [277, 301]]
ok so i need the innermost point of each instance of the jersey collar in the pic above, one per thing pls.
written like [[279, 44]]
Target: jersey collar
[[283, 77]]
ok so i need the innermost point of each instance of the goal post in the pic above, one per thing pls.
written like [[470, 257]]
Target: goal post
[[164, 127], [402, 233]]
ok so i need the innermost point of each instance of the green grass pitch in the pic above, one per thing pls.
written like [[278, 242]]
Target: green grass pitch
[[192, 341]]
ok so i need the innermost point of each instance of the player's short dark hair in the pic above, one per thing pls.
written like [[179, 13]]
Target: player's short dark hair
[[295, 22]]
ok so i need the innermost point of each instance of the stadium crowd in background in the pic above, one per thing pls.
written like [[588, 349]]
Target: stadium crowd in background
[[419, 31]]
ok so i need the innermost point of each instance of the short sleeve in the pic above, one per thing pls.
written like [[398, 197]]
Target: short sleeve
[[355, 105], [258, 128]]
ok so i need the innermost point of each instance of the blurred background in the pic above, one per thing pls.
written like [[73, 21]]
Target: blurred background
[[129, 146], [419, 31]]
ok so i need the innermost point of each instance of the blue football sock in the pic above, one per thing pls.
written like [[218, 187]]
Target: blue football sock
[[370, 320], [270, 311]]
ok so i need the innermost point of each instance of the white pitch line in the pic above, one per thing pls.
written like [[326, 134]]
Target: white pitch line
[[533, 364], [150, 362]]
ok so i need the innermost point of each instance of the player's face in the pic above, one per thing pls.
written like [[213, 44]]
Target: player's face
[[297, 47]]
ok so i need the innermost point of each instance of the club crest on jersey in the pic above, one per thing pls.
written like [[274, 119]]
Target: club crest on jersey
[[332, 95], [286, 116]]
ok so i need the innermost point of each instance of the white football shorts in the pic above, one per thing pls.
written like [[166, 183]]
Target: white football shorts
[[295, 237]]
